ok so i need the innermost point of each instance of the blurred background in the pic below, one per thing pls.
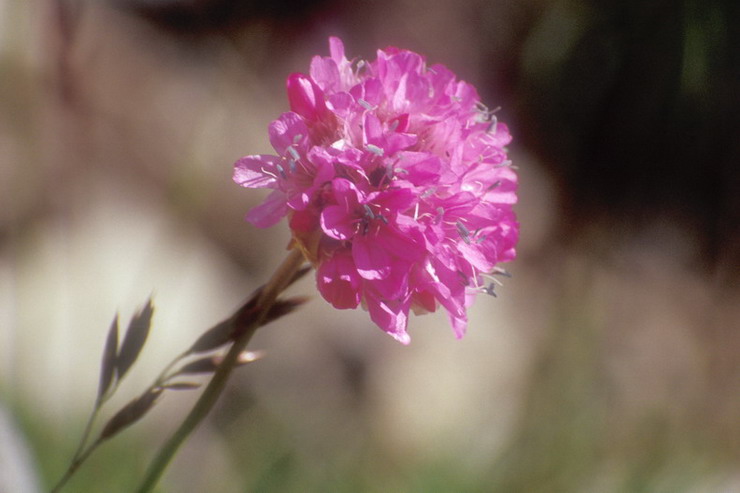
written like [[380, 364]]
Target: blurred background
[[608, 363]]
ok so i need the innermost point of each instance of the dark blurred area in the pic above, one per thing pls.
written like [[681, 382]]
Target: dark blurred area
[[640, 121], [608, 363]]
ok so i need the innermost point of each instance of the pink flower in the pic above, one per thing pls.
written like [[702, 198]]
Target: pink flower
[[396, 182]]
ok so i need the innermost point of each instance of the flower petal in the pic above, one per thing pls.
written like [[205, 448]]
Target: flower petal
[[306, 97], [338, 281], [372, 262], [390, 316], [337, 223], [257, 171], [288, 131], [268, 212]]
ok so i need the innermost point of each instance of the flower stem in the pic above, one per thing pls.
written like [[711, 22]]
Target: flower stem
[[279, 281], [79, 458]]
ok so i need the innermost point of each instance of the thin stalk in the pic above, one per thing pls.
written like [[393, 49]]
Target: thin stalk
[[279, 281], [81, 454], [76, 463]]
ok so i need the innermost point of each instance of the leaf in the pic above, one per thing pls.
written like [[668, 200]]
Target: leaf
[[283, 307], [213, 338], [131, 413], [223, 332], [181, 386], [298, 275], [203, 365], [108, 365], [136, 334], [228, 330]]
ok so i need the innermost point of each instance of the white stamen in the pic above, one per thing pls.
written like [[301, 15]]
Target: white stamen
[[294, 154], [365, 104], [374, 149]]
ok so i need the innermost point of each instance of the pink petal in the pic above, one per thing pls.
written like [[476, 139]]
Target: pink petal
[[336, 49], [270, 211], [396, 199], [325, 73], [475, 255], [288, 130], [396, 285], [306, 97], [372, 262], [337, 223], [304, 221], [408, 246], [249, 171], [372, 130], [345, 193], [459, 324], [392, 317], [338, 281]]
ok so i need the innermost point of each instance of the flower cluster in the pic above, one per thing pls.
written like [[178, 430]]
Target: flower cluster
[[396, 183]]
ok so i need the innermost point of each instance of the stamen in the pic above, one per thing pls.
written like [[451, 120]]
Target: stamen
[[293, 153], [464, 232], [361, 66], [365, 104], [440, 215], [268, 173], [490, 290], [428, 192], [491, 277], [374, 149], [281, 171], [368, 211], [492, 126]]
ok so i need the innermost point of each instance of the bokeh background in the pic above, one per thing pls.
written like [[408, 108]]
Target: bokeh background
[[608, 363]]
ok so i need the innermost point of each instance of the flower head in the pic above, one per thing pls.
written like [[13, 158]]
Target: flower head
[[396, 182]]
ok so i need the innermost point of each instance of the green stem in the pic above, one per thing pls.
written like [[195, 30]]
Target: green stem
[[79, 457], [76, 463], [212, 392]]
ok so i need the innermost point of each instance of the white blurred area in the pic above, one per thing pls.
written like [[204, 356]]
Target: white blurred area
[[116, 146]]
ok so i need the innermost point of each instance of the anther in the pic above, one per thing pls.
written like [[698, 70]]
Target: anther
[[464, 232], [281, 170], [490, 290], [365, 104], [374, 149], [368, 211]]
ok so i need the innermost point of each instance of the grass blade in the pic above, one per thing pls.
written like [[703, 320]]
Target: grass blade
[[136, 335], [108, 364], [130, 413]]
